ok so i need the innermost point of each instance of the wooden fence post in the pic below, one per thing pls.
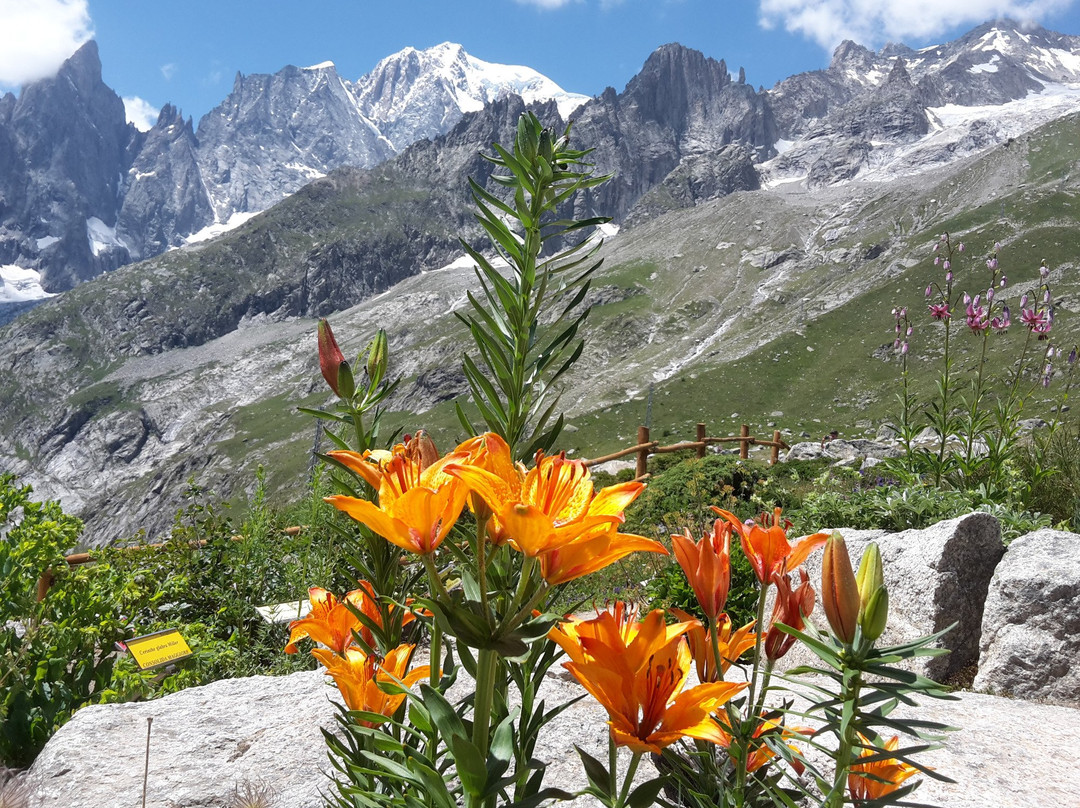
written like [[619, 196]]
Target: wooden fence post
[[774, 458], [643, 454], [744, 444], [701, 440]]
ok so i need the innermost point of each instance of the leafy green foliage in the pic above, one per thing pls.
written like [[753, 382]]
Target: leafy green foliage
[[523, 346], [49, 650], [58, 654]]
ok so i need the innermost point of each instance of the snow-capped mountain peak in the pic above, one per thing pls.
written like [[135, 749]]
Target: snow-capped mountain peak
[[417, 94]]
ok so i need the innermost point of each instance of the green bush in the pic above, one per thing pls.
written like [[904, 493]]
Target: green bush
[[679, 495], [54, 654], [57, 655]]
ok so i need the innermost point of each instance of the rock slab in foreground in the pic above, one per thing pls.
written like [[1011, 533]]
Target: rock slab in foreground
[[1031, 624], [204, 742]]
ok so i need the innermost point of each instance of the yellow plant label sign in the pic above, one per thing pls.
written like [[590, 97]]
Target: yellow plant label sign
[[154, 650]]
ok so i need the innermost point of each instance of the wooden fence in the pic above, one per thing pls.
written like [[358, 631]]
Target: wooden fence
[[646, 447]]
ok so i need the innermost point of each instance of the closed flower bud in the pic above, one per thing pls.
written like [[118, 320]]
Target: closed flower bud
[[870, 576], [378, 357], [839, 591], [960, 247], [332, 363], [875, 614]]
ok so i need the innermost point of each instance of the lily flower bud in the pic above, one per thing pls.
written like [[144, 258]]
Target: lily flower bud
[[875, 614], [332, 363], [378, 357], [839, 590], [870, 576]]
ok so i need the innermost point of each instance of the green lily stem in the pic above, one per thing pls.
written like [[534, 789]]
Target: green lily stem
[[613, 764], [526, 611], [527, 568], [714, 638], [435, 656], [438, 590], [481, 570], [744, 756], [758, 639], [628, 781], [849, 694], [769, 663], [487, 664]]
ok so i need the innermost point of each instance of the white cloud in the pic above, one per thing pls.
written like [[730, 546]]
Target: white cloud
[[873, 22], [168, 71], [141, 113], [36, 36]]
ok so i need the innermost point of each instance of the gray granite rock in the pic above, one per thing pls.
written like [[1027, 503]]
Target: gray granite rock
[[1031, 625], [204, 742], [936, 577]]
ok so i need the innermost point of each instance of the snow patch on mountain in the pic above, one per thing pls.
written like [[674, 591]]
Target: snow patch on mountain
[[18, 285], [217, 228], [102, 237]]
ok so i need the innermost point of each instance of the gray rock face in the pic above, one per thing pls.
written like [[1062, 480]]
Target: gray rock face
[[1031, 625], [681, 106], [64, 145], [164, 194], [204, 742], [276, 133], [207, 740], [936, 577]]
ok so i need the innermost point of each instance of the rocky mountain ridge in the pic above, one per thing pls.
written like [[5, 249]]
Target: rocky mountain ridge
[[82, 191]]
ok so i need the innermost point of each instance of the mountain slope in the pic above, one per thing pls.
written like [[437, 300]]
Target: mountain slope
[[748, 304]]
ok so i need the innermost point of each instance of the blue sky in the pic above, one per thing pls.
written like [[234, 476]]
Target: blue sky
[[187, 53]]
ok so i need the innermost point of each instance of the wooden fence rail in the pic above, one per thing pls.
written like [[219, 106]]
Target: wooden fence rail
[[645, 447]]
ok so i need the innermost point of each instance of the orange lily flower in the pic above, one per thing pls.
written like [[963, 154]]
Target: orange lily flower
[[418, 502], [638, 674], [357, 677], [332, 622], [329, 622], [767, 547], [732, 644], [889, 773], [546, 507], [761, 753], [791, 606], [597, 549], [707, 565]]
